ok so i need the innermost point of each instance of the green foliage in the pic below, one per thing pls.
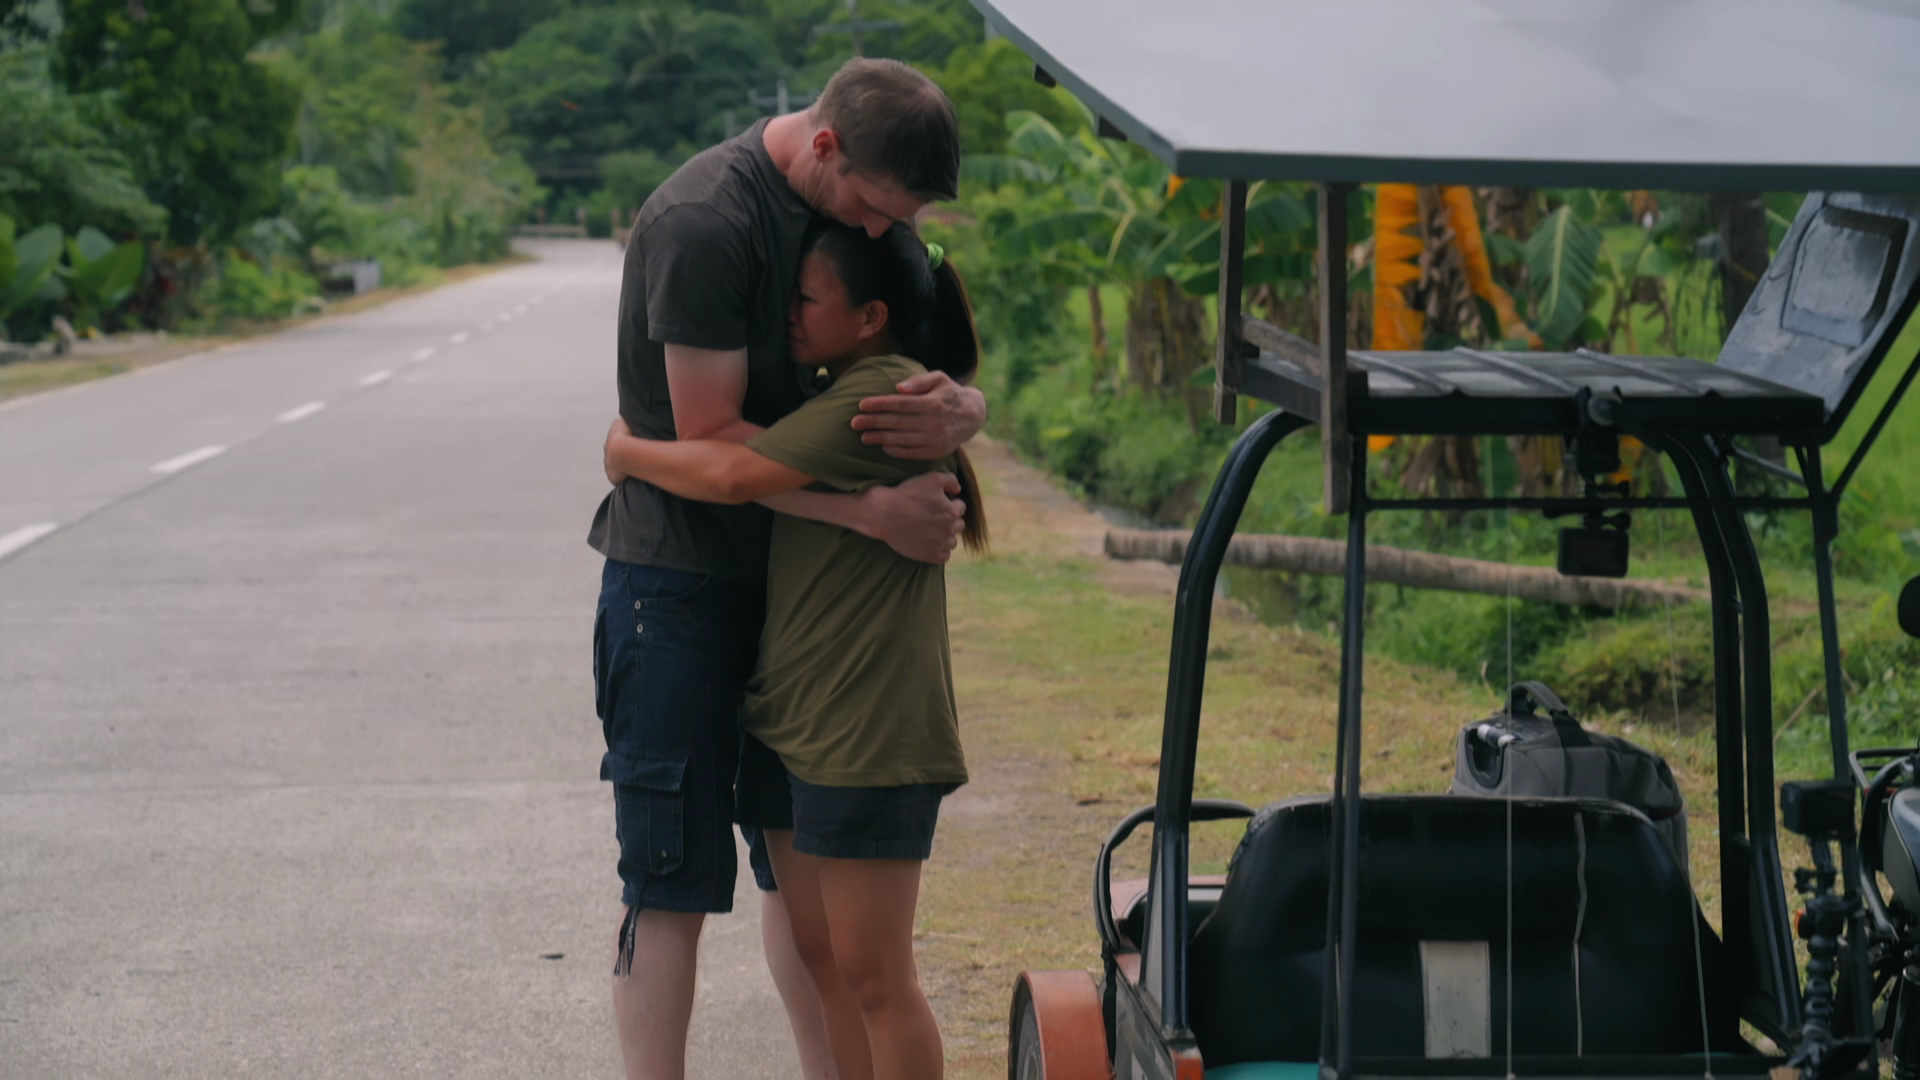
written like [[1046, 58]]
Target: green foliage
[[1562, 258], [600, 80], [466, 194], [631, 176], [27, 265], [244, 289], [100, 275], [1631, 664], [365, 93], [56, 162], [468, 29], [986, 81], [1126, 450], [205, 125]]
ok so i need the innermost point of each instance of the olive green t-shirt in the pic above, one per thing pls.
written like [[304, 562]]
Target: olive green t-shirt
[[855, 683]]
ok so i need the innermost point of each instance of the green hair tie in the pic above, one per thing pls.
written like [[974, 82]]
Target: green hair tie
[[935, 256]]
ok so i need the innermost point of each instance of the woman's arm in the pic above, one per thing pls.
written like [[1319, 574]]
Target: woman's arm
[[705, 470]]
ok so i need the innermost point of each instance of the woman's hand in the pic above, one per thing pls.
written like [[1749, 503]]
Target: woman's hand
[[608, 456], [931, 417]]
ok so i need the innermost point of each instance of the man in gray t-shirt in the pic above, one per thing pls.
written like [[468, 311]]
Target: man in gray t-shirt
[[710, 272]]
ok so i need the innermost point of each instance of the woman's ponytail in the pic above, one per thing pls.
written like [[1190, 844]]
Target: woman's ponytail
[[953, 346]]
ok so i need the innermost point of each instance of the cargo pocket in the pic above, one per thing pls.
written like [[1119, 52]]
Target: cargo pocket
[[653, 785]]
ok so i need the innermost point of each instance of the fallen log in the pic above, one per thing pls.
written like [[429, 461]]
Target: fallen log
[[1419, 569]]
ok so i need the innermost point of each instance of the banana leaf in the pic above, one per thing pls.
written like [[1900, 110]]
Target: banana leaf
[[34, 256], [1274, 211], [1090, 227], [88, 244], [999, 170], [1034, 138], [1562, 258], [102, 282], [1195, 198]]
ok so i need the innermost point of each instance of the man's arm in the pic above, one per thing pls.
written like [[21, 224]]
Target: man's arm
[[706, 388], [919, 519], [931, 417]]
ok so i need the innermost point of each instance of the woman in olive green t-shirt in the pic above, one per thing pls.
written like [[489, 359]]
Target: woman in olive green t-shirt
[[854, 688]]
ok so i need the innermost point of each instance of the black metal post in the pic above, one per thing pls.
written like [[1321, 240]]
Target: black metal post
[[1757, 669], [1186, 680], [1333, 344], [1826, 529], [1227, 350], [1343, 841], [1729, 727]]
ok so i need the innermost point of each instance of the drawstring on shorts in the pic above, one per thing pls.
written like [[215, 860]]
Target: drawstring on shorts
[[623, 960]]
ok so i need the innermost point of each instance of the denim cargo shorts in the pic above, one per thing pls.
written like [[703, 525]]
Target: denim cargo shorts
[[672, 651]]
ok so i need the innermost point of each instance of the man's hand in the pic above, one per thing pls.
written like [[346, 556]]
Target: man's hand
[[619, 430], [921, 518], [928, 419]]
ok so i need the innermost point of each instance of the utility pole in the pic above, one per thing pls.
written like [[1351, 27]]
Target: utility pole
[[855, 25], [782, 102]]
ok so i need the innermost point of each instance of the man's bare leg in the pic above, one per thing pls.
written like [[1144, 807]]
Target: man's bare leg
[[653, 1000], [797, 991]]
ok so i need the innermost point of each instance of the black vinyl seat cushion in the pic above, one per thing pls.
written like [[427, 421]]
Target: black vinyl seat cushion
[[1602, 931]]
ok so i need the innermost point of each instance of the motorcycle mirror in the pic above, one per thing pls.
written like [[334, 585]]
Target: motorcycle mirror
[[1910, 608]]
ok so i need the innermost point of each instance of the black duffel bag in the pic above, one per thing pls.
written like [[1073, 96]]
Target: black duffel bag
[[1519, 752]]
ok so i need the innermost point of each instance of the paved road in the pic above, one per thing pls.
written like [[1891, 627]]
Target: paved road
[[297, 748]]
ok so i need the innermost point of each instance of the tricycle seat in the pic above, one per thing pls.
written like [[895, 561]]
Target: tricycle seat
[[1598, 951]]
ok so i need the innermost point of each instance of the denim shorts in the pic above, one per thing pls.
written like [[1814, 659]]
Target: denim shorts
[[671, 655], [842, 822]]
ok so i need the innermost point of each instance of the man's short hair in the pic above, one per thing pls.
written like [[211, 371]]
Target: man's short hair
[[893, 121]]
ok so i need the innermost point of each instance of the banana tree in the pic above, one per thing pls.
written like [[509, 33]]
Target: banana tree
[[1101, 212], [100, 274], [1105, 213], [27, 265]]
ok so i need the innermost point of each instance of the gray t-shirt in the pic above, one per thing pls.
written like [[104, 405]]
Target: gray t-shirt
[[712, 264]]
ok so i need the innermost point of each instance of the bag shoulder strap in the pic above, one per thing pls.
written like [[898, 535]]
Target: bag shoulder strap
[[1522, 698]]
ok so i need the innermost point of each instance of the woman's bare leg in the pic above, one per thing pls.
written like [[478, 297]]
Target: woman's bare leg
[[797, 992], [800, 893], [869, 909]]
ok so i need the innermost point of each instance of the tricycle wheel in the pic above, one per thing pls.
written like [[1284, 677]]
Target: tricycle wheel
[[1055, 1030]]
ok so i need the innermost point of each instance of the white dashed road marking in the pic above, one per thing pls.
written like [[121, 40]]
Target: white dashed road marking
[[301, 412], [425, 354], [376, 378], [23, 536], [458, 338], [188, 460]]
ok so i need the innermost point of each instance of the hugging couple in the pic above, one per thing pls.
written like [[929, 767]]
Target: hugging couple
[[770, 648]]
